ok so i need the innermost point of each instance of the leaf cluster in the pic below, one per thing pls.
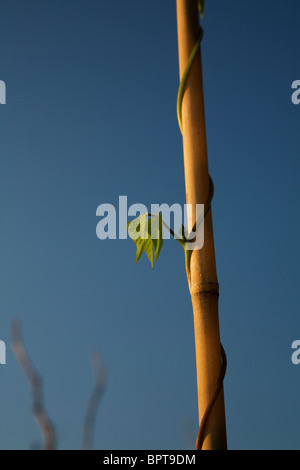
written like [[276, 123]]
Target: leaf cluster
[[147, 233]]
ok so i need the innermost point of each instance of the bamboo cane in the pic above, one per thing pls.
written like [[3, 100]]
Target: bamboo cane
[[203, 282]]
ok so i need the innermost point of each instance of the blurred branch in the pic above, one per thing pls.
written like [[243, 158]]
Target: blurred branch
[[35, 382], [94, 400]]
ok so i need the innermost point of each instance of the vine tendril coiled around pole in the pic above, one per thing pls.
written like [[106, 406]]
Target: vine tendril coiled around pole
[[219, 384]]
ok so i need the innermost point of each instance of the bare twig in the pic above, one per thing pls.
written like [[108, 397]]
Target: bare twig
[[94, 400], [44, 423]]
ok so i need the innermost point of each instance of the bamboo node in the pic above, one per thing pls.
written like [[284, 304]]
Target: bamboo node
[[209, 287]]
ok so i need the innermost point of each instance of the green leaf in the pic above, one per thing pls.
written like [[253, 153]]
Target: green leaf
[[133, 228], [148, 248], [139, 249], [156, 233], [147, 233]]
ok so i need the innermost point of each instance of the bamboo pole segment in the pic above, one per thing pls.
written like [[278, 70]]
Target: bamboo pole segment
[[203, 282]]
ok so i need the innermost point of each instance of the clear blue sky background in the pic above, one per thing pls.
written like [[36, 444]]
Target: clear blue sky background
[[91, 115]]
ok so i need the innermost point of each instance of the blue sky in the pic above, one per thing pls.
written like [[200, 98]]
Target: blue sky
[[91, 115]]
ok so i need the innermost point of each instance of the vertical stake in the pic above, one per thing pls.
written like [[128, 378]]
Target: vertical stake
[[203, 282]]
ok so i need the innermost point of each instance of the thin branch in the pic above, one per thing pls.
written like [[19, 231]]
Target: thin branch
[[94, 400], [44, 423]]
